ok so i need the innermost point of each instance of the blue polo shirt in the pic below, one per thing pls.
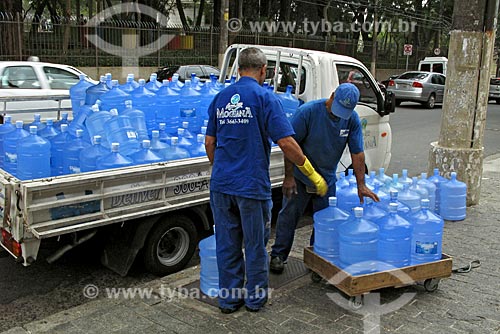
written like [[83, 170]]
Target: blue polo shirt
[[323, 138], [244, 118]]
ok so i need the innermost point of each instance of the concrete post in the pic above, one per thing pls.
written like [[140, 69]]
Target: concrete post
[[460, 145]]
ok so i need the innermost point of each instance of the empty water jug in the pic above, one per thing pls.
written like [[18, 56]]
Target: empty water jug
[[58, 145], [404, 179], [371, 211], [94, 92], [431, 190], [358, 244], [164, 135], [77, 93], [348, 198], [119, 129], [114, 159], [419, 189], [341, 183], [71, 157], [427, 237], [145, 155], [326, 234], [437, 180], [89, 156], [382, 177], [290, 103], [130, 84], [157, 146], [6, 128], [10, 147], [33, 156], [350, 176], [410, 198], [36, 122], [453, 199], [64, 120], [403, 209], [114, 98], [189, 104], [167, 112], [49, 131], [95, 124], [145, 100], [209, 273], [199, 150], [174, 152], [153, 85]]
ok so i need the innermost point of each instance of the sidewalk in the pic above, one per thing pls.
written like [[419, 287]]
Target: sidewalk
[[464, 303]]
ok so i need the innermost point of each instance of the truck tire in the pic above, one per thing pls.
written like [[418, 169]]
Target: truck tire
[[170, 245]]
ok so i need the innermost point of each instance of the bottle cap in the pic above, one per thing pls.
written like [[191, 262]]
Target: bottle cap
[[155, 133], [79, 133], [146, 143], [174, 141], [64, 127], [19, 124], [200, 138], [332, 201], [115, 147], [33, 129], [424, 203], [97, 139], [393, 207], [358, 212]]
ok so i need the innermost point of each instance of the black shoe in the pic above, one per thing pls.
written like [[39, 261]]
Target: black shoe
[[277, 266], [249, 309], [227, 310]]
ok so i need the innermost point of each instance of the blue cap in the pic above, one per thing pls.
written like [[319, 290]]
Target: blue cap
[[345, 100]]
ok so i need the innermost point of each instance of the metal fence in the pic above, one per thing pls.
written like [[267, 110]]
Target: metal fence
[[65, 41]]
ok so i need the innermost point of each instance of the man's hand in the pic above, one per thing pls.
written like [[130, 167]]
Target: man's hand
[[319, 182], [364, 191], [289, 186]]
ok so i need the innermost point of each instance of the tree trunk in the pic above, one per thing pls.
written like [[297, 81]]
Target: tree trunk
[[200, 13], [182, 15], [67, 26], [216, 13], [12, 32]]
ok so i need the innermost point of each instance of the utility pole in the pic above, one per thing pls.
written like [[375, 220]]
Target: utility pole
[[373, 63], [460, 145], [223, 30]]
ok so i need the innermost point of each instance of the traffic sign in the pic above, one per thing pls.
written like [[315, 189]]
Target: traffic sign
[[407, 49], [437, 51]]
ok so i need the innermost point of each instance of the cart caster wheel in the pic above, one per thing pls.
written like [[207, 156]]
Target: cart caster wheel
[[315, 277], [356, 302], [431, 284]]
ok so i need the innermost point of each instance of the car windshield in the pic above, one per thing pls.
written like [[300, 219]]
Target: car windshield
[[413, 75]]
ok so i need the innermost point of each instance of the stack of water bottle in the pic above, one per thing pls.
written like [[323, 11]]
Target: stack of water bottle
[[116, 126], [405, 228]]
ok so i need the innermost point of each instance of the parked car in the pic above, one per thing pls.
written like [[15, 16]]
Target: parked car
[[386, 82], [494, 93], [417, 86], [36, 79], [184, 71]]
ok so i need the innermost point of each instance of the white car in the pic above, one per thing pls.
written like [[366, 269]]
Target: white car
[[35, 79]]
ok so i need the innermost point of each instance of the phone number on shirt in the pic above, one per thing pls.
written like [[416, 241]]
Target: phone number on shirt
[[234, 121]]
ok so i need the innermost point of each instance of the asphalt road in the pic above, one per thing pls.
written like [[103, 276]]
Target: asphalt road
[[34, 292]]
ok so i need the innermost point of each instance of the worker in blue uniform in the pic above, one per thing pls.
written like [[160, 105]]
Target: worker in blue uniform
[[243, 120], [323, 128]]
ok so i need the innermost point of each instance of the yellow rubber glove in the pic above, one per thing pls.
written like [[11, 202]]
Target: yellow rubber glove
[[308, 170]]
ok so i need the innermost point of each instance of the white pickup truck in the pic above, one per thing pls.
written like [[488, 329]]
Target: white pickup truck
[[162, 208]]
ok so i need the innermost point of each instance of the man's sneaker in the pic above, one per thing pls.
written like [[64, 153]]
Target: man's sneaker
[[276, 265], [227, 310]]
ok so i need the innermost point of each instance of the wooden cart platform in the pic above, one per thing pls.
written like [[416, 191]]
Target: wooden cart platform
[[428, 273]]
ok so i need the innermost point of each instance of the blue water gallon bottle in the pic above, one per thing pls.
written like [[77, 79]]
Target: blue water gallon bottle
[[95, 124], [404, 179], [153, 85], [36, 122], [208, 93], [402, 209], [453, 199], [382, 177], [371, 180], [183, 141], [10, 147], [358, 244], [431, 190], [93, 93], [438, 181], [6, 128], [33, 156], [199, 150], [419, 189], [109, 80], [209, 272], [350, 176], [119, 129], [114, 98], [89, 156], [145, 100], [167, 112], [77, 93], [174, 152], [64, 120], [176, 84], [410, 198], [157, 146], [371, 211], [326, 234], [58, 145], [347, 198], [49, 131], [145, 155], [137, 119], [190, 101], [384, 197], [71, 157], [341, 183], [164, 135], [114, 159], [395, 184], [78, 121], [427, 237], [290, 103], [394, 243], [130, 84]]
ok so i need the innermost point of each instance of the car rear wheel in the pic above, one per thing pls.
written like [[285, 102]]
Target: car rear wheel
[[497, 101], [431, 102], [398, 103]]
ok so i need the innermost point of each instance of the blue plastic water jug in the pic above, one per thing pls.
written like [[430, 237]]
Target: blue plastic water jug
[[341, 183], [208, 93], [176, 84], [350, 176], [395, 184], [114, 159], [153, 85], [404, 179], [95, 124], [174, 152], [10, 147], [385, 179], [114, 98], [189, 104], [77, 93], [109, 79], [64, 120], [394, 243], [78, 122], [164, 135], [438, 181], [326, 234], [410, 198], [119, 129], [36, 122], [358, 244], [145, 155], [427, 237], [453, 199], [58, 145], [130, 84], [145, 100], [137, 119], [372, 180], [199, 150], [419, 189], [403, 209], [431, 190], [290, 103], [89, 156], [371, 211], [49, 131], [167, 112], [347, 198], [384, 197], [157, 146], [33, 156], [94, 92], [6, 128], [209, 273], [71, 157]]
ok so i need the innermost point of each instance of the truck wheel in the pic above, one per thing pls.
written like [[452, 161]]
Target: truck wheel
[[170, 245]]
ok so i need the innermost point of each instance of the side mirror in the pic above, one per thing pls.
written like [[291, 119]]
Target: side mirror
[[390, 102]]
